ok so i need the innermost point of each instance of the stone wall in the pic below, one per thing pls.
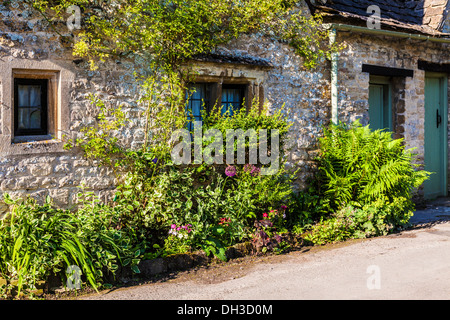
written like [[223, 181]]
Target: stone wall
[[44, 168], [40, 168], [408, 100]]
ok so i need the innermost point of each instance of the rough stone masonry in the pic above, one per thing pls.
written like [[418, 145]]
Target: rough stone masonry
[[29, 48]]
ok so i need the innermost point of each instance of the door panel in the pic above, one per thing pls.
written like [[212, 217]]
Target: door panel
[[380, 114], [436, 136], [376, 106]]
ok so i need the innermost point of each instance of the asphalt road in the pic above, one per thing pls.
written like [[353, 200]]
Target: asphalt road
[[414, 264]]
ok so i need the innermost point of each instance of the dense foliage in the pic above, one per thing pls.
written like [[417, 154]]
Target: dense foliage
[[159, 209], [166, 33], [359, 166], [39, 240], [365, 182], [157, 194], [363, 187]]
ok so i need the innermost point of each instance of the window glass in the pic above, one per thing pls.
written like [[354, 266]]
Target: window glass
[[199, 99], [232, 98], [30, 107], [198, 96]]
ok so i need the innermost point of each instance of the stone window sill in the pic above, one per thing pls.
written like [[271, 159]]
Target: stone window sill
[[34, 139], [29, 145]]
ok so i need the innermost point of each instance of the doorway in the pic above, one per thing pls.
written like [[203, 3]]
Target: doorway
[[435, 158]]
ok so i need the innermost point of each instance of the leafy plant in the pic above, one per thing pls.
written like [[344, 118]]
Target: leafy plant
[[358, 166], [214, 246], [37, 240], [365, 184]]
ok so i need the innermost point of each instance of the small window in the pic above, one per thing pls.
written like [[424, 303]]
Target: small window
[[232, 98], [202, 97], [30, 107], [199, 97]]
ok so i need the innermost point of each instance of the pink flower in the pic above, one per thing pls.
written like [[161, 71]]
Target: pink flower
[[265, 215], [230, 171], [173, 226], [283, 207], [255, 171]]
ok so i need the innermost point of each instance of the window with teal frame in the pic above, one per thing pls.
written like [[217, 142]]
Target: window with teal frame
[[198, 98], [232, 98]]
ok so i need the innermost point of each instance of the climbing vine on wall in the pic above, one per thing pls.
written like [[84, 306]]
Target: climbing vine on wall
[[163, 35], [167, 33]]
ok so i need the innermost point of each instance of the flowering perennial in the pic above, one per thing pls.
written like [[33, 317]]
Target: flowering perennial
[[179, 230], [274, 213], [230, 171], [224, 221], [253, 170]]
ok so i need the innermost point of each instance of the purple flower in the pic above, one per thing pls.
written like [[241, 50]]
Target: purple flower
[[155, 160], [283, 207], [255, 171], [230, 171]]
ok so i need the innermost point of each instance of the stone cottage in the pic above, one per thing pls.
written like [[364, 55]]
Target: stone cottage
[[392, 73]]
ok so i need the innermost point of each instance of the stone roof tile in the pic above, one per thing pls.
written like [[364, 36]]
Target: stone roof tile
[[425, 16]]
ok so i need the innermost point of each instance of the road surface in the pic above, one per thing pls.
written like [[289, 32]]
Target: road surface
[[414, 264]]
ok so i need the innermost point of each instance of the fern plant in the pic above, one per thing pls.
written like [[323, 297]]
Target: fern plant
[[358, 166]]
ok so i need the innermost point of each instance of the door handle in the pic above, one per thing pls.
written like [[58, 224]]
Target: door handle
[[438, 118]]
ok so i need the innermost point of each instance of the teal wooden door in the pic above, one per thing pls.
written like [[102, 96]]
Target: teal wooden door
[[380, 115], [435, 136]]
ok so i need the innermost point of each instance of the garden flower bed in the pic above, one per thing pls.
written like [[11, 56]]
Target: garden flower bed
[[169, 221]]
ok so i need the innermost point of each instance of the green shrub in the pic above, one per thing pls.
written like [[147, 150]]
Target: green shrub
[[39, 240], [156, 194], [358, 166], [375, 219], [365, 182]]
